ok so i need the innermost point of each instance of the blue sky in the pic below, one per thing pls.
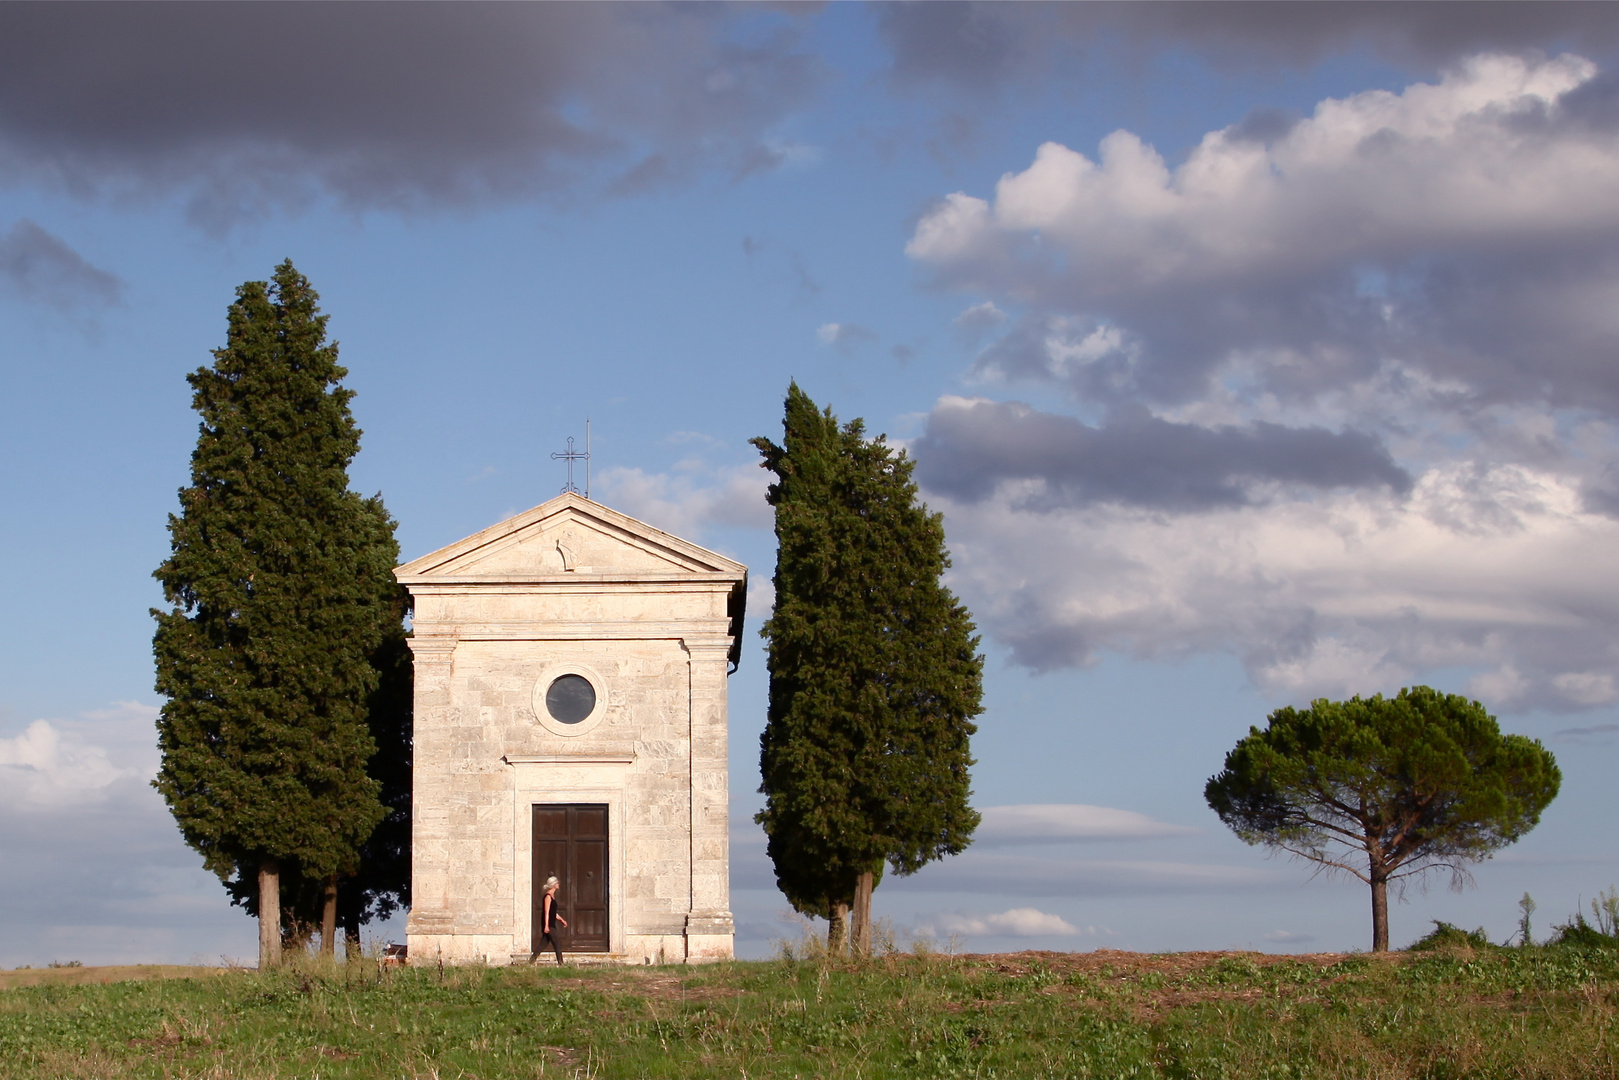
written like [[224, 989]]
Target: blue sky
[[1254, 353]]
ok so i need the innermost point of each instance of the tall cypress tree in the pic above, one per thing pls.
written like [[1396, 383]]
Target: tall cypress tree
[[874, 673], [283, 598]]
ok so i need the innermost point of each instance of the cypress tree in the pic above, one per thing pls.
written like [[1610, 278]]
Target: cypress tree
[[381, 885], [874, 674], [282, 596]]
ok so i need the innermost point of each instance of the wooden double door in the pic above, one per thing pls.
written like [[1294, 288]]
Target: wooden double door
[[570, 842]]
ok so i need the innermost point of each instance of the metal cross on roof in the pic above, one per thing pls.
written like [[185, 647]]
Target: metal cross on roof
[[571, 456]]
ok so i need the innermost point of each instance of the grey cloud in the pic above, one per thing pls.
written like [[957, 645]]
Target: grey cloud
[[248, 105], [1137, 459], [1520, 324], [983, 46], [1593, 732], [36, 265], [1265, 125], [974, 45], [1594, 104]]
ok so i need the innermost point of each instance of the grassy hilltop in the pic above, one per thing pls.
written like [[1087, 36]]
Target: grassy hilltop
[[1449, 1013]]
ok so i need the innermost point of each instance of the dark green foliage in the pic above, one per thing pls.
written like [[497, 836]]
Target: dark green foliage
[[284, 605], [381, 885], [1385, 788], [874, 668], [1445, 936], [1578, 932], [1602, 932]]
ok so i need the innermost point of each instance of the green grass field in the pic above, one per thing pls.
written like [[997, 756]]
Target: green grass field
[[1534, 1012]]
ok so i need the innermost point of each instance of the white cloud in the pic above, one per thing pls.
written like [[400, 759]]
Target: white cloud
[[1366, 175], [844, 336], [1014, 922], [691, 499], [1461, 229], [1288, 937], [45, 767], [1066, 822]]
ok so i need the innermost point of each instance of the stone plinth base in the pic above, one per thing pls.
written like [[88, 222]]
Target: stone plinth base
[[492, 949], [710, 936], [713, 941]]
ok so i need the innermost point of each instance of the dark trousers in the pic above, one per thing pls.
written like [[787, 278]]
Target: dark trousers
[[549, 936]]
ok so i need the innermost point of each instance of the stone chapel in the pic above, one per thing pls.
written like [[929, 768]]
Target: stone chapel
[[570, 719]]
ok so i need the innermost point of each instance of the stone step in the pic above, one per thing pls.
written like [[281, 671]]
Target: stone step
[[579, 959]]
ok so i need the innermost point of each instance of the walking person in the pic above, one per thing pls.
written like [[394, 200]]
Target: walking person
[[548, 916]]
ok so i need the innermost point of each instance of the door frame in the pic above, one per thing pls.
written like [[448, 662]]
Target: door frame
[[564, 783], [608, 899]]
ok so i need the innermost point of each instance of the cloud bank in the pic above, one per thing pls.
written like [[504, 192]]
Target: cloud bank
[[1345, 401], [108, 878], [985, 47]]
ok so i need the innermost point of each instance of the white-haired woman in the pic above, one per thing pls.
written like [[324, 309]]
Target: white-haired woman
[[548, 916]]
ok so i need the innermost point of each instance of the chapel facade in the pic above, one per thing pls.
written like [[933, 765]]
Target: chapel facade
[[570, 719]]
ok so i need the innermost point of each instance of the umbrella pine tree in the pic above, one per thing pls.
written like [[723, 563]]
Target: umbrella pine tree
[[1385, 789], [874, 674], [282, 596]]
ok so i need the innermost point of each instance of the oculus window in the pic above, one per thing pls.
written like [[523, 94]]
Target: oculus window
[[570, 699]]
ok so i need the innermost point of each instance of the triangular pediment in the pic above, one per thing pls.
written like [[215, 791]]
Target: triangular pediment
[[570, 535]]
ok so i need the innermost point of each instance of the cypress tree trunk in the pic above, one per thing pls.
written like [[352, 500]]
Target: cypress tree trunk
[[837, 931], [328, 918], [269, 914], [862, 914]]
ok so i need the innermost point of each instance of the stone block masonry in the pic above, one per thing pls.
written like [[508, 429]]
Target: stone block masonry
[[575, 660]]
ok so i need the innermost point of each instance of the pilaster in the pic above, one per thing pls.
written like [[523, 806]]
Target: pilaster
[[709, 928]]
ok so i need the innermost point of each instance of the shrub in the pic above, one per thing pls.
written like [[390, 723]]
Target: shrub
[[1445, 936]]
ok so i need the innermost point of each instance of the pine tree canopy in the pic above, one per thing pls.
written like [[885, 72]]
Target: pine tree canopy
[[283, 599], [1385, 788], [874, 668]]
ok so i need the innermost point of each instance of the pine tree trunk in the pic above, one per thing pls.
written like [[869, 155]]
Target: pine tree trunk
[[269, 914], [862, 914], [328, 918], [837, 931], [1380, 911]]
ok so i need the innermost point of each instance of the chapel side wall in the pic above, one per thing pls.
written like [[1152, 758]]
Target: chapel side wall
[[438, 926]]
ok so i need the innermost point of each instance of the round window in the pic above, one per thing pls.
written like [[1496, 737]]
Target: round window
[[570, 699]]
